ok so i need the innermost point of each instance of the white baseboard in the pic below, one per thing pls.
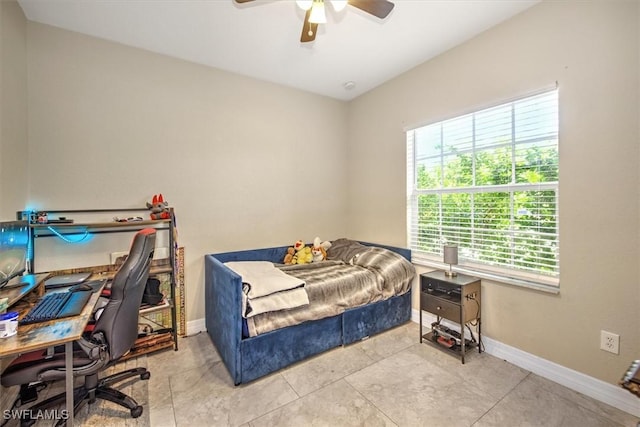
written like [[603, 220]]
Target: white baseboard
[[195, 326], [597, 389]]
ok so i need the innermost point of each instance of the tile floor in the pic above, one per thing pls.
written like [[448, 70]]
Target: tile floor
[[388, 380]]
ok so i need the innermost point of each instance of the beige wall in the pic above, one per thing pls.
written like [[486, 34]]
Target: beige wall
[[13, 109], [245, 163], [591, 50]]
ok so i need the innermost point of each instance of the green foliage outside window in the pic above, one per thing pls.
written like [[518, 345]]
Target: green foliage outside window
[[509, 227]]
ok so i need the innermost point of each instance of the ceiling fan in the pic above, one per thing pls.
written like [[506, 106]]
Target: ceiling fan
[[315, 13]]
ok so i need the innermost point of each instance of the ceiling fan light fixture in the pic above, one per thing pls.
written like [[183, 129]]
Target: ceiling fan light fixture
[[339, 5], [318, 16], [315, 14], [304, 4]]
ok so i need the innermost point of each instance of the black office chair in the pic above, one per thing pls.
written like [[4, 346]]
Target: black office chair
[[114, 334]]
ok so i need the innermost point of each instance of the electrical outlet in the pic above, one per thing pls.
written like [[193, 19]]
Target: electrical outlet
[[161, 253], [116, 255], [610, 342]]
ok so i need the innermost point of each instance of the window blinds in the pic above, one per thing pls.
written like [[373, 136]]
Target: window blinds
[[488, 182]]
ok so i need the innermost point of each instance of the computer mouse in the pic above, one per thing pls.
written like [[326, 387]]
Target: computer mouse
[[80, 287]]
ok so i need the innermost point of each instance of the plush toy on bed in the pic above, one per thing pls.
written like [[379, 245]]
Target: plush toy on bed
[[303, 253], [159, 208], [319, 250], [288, 258]]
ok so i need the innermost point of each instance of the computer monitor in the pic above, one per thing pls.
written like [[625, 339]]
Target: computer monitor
[[14, 249]]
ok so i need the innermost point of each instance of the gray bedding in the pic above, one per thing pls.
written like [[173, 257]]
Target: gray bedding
[[353, 275]]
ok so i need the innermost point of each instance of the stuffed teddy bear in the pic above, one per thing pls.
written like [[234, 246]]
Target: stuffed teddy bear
[[319, 250], [303, 253], [288, 258], [159, 208]]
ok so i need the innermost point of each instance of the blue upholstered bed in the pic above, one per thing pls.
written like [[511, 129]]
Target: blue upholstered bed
[[249, 358]]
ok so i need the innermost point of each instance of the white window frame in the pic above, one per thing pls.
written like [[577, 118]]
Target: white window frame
[[545, 281]]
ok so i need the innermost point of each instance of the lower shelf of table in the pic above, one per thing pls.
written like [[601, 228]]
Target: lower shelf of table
[[150, 344], [456, 349]]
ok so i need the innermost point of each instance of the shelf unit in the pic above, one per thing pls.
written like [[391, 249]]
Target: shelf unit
[[159, 268], [457, 299]]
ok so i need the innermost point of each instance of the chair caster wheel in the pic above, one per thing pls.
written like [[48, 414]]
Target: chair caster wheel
[[136, 412], [145, 376]]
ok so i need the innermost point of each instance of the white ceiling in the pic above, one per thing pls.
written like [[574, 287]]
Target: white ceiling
[[261, 39]]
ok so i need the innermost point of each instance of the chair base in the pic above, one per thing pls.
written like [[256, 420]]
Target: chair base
[[88, 393]]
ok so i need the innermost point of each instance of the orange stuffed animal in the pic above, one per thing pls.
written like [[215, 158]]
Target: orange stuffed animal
[[319, 249]]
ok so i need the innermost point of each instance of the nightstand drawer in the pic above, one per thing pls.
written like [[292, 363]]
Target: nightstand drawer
[[440, 307]]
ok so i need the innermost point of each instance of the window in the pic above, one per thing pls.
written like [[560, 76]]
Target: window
[[488, 182]]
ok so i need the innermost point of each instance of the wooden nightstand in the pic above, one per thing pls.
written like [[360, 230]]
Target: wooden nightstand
[[456, 299]]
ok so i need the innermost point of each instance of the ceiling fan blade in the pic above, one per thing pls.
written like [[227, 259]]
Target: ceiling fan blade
[[243, 1], [308, 29], [379, 8]]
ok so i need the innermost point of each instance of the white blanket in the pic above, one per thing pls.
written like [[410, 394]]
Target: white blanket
[[266, 288]]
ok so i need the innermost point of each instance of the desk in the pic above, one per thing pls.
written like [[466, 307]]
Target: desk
[[15, 290], [38, 336]]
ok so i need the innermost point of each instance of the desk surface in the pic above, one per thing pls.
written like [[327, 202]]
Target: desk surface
[[18, 287], [37, 336]]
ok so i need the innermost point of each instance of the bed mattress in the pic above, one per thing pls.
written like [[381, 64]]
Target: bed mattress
[[353, 275]]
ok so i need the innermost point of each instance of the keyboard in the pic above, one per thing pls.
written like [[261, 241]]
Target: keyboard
[[56, 306]]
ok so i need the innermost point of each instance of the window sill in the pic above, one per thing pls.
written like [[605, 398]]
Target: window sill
[[493, 277]]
